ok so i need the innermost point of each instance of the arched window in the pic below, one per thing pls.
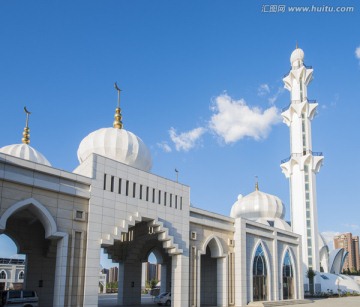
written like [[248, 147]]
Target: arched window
[[3, 275], [259, 275], [21, 275], [287, 272]]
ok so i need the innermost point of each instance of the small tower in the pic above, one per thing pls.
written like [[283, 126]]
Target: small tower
[[303, 164]]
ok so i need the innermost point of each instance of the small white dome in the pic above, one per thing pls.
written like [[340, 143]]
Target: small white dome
[[116, 144], [296, 55], [258, 205], [26, 152]]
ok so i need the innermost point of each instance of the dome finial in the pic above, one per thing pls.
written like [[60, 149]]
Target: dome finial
[[256, 183], [117, 122], [297, 47], [26, 134]]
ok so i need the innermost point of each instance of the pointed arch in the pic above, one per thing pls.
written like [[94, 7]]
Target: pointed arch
[[215, 246], [268, 275], [288, 277], [3, 274], [40, 212], [21, 275]]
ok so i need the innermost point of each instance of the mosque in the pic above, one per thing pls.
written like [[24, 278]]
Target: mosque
[[60, 220]]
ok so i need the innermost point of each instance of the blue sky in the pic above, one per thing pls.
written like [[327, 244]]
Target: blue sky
[[197, 78]]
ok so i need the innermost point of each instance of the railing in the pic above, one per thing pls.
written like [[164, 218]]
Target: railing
[[285, 160], [305, 152]]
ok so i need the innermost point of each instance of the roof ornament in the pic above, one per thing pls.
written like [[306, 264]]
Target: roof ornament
[[117, 122], [256, 183], [26, 133], [297, 47]]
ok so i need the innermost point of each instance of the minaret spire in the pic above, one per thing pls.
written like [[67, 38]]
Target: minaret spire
[[303, 164], [26, 133], [117, 122]]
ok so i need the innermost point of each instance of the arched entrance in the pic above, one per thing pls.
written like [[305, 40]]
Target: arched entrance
[[259, 272], [135, 272], [287, 277], [34, 230], [212, 273]]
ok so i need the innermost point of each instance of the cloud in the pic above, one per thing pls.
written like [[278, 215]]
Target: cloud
[[275, 97], [234, 120], [186, 140], [357, 53], [164, 146], [263, 89]]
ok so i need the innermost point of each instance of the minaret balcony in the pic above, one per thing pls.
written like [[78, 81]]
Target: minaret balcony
[[307, 157], [304, 153]]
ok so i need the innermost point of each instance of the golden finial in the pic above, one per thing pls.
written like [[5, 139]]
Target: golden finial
[[256, 184], [26, 134], [117, 122]]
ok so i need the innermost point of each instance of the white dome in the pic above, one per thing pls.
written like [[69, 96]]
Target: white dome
[[116, 144], [26, 152], [258, 205], [297, 54]]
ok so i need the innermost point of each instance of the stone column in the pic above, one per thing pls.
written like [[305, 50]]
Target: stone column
[[222, 278], [60, 271], [180, 280]]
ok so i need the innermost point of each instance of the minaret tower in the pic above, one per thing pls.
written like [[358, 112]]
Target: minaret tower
[[303, 164]]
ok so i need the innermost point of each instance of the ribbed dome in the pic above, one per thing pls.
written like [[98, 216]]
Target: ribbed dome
[[258, 205], [26, 152], [116, 144], [296, 55]]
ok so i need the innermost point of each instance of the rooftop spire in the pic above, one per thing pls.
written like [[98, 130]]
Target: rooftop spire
[[297, 47], [256, 183], [117, 122], [26, 134]]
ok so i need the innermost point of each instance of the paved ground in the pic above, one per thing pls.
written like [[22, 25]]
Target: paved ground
[[351, 301], [106, 300]]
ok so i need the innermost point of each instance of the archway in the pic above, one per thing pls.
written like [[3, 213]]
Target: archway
[[259, 275], [212, 273], [34, 230], [287, 277], [131, 257]]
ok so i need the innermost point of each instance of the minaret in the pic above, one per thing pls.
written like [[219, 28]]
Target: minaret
[[303, 164]]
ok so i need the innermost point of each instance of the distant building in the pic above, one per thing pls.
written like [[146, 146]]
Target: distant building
[[351, 244], [150, 271], [113, 274], [12, 272]]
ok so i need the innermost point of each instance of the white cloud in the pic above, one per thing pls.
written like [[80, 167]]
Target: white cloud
[[164, 146], [186, 140], [357, 52], [275, 97], [263, 89], [234, 119]]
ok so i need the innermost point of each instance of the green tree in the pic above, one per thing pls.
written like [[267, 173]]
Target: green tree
[[311, 274]]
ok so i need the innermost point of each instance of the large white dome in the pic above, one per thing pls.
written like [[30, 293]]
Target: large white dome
[[260, 207], [116, 144], [26, 152]]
